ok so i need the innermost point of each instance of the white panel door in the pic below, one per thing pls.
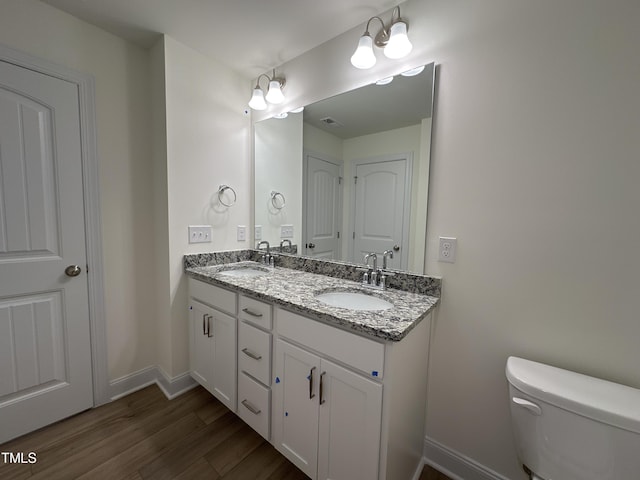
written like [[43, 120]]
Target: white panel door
[[381, 210], [295, 406], [350, 416], [323, 209], [45, 353]]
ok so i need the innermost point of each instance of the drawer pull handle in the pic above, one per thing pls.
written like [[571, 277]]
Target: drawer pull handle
[[250, 354], [251, 408], [248, 311], [310, 377], [322, 400]]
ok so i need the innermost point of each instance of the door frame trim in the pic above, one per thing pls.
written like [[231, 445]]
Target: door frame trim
[[92, 216]]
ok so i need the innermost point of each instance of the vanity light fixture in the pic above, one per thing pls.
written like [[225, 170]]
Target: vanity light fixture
[[413, 72], [393, 39], [274, 92], [384, 81]]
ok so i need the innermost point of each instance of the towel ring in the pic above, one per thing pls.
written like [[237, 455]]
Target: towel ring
[[277, 200], [221, 191]]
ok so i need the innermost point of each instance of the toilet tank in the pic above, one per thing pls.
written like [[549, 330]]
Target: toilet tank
[[569, 426]]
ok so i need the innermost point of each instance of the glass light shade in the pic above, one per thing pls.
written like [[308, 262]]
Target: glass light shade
[[257, 100], [364, 57], [384, 81], [413, 72], [274, 94], [398, 45]]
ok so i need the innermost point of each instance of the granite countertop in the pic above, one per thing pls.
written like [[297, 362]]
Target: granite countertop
[[296, 290]]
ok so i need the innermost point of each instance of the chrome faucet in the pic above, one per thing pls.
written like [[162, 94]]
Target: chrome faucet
[[282, 243], [266, 257], [375, 277], [375, 260], [386, 254]]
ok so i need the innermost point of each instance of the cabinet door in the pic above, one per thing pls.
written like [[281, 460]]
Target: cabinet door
[[295, 412], [223, 360], [349, 425], [200, 345]]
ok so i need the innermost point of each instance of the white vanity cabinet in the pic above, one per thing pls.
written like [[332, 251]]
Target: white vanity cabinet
[[212, 340], [345, 406], [254, 363], [338, 404], [326, 417]]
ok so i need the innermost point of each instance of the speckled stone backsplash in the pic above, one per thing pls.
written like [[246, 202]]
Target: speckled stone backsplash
[[409, 282]]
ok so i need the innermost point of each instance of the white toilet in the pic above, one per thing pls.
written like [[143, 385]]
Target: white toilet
[[569, 426]]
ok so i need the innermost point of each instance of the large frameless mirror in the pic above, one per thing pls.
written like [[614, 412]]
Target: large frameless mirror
[[349, 174]]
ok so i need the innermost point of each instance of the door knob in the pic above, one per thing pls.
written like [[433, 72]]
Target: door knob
[[312, 245], [72, 271], [396, 248]]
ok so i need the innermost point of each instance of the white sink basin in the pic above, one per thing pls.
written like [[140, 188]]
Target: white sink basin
[[354, 301], [244, 272]]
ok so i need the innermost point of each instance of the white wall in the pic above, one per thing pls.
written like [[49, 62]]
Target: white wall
[[122, 118], [208, 145], [535, 171], [278, 167]]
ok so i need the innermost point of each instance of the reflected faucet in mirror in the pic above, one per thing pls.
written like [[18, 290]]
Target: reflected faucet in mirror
[[356, 171]]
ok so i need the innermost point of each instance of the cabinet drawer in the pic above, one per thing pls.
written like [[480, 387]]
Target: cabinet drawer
[[351, 349], [217, 297], [254, 352], [254, 404], [255, 311]]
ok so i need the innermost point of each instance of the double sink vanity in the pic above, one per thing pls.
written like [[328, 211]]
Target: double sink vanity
[[332, 374]]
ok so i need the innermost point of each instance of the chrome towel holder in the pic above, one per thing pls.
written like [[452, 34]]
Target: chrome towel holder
[[277, 200], [221, 190]]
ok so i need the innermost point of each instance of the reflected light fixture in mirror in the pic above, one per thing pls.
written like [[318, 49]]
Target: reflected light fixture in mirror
[[274, 93], [393, 39]]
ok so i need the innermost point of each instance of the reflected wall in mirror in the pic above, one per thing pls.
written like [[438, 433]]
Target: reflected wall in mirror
[[354, 171]]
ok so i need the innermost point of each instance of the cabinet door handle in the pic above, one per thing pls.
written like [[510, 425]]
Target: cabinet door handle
[[209, 334], [248, 311], [251, 408], [250, 354], [204, 324], [322, 400], [311, 394]]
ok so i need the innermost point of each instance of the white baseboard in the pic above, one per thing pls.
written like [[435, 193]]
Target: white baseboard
[[454, 464], [418, 472], [171, 387]]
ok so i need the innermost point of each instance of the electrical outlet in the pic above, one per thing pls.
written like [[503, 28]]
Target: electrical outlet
[[258, 233], [200, 233], [286, 231], [241, 233], [447, 250]]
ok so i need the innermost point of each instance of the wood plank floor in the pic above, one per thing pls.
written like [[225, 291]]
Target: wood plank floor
[[145, 436]]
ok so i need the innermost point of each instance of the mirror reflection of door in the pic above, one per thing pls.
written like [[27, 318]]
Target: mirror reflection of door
[[381, 208], [323, 208]]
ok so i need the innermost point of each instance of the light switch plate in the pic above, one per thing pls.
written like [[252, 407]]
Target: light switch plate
[[200, 233], [241, 233], [286, 231]]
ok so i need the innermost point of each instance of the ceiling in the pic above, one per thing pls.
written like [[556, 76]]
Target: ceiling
[[249, 36], [375, 108]]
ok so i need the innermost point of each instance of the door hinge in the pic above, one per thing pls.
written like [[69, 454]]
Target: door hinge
[[338, 234], [87, 269], [355, 179], [339, 180]]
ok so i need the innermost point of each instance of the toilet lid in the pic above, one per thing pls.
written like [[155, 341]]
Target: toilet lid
[[607, 402]]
